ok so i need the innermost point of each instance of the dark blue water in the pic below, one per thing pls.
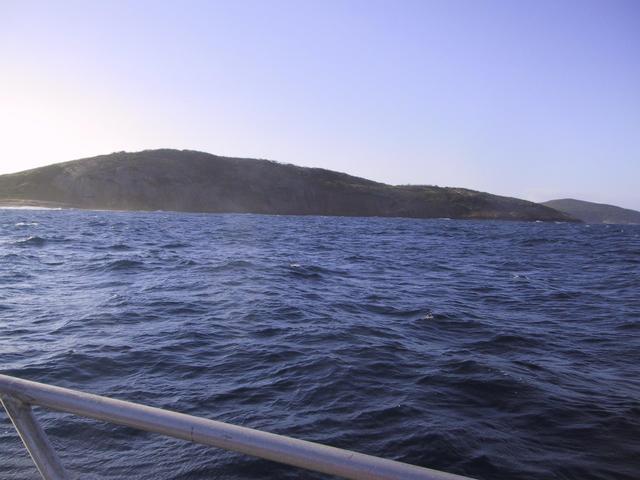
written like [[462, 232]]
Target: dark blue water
[[494, 350]]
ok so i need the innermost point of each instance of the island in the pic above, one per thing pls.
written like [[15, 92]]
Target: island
[[590, 212], [192, 181]]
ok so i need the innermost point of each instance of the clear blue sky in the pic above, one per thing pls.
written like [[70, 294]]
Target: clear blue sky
[[535, 99]]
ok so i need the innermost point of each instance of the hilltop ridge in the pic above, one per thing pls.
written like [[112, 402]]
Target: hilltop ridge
[[191, 181]]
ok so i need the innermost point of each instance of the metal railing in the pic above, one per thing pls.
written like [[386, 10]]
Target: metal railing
[[19, 395]]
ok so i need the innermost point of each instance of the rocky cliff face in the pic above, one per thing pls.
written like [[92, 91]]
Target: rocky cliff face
[[590, 212], [199, 182]]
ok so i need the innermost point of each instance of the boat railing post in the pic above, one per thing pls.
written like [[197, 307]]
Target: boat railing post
[[34, 439]]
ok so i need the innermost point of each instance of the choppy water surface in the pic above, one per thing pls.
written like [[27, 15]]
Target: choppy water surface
[[494, 350]]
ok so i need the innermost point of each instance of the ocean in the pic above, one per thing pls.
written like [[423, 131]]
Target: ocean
[[497, 350]]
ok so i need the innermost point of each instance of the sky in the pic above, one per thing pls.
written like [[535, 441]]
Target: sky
[[533, 98]]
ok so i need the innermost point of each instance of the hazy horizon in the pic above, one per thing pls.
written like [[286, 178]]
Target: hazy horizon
[[536, 100]]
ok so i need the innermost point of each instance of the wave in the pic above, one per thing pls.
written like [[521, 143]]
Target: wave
[[124, 264], [34, 241], [314, 271], [119, 247], [230, 265], [174, 245]]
